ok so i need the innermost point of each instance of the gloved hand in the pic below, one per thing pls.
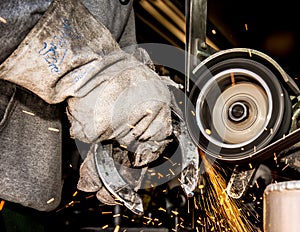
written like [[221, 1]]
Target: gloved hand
[[132, 107]]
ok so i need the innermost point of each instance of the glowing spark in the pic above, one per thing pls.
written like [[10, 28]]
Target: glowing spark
[[249, 52], [174, 212], [193, 113], [246, 26], [70, 203], [222, 213], [90, 196], [201, 186], [3, 20], [149, 111], [124, 146], [275, 158], [117, 228], [208, 131], [159, 175], [53, 129], [50, 200], [166, 158], [232, 79], [172, 172], [162, 209], [131, 126], [104, 227], [27, 112], [1, 204], [250, 165], [285, 167]]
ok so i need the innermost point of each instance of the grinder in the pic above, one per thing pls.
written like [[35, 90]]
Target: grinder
[[239, 110], [238, 102]]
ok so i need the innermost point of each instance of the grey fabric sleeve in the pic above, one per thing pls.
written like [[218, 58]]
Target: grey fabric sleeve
[[128, 36]]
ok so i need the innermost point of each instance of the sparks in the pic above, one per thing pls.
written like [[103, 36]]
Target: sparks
[[221, 213], [53, 129], [3, 20], [232, 79], [50, 200], [27, 112], [285, 167], [1, 204]]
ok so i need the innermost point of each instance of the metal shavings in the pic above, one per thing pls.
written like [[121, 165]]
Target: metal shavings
[[27, 112]]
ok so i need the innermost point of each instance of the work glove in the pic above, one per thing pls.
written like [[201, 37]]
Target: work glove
[[132, 107]]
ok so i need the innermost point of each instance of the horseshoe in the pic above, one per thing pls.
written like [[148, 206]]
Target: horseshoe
[[112, 180]]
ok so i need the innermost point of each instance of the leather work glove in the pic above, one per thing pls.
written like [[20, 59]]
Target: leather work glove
[[133, 107]]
